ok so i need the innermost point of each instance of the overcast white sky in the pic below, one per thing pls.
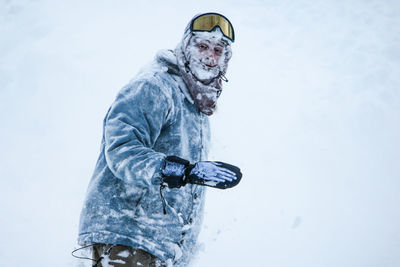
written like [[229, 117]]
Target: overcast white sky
[[311, 114]]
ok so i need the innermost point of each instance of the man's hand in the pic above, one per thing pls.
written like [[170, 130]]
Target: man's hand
[[178, 172], [214, 174]]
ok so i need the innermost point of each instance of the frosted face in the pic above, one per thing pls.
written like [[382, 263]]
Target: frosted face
[[206, 55]]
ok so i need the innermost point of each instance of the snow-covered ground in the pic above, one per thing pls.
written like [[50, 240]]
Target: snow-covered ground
[[311, 114]]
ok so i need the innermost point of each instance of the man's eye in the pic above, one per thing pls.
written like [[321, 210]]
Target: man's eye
[[202, 46], [218, 50]]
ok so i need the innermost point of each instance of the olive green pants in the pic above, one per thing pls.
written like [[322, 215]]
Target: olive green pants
[[123, 256]]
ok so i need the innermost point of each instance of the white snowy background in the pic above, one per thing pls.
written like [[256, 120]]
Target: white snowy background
[[311, 114]]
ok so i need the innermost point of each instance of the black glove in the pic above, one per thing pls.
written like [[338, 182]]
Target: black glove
[[178, 172]]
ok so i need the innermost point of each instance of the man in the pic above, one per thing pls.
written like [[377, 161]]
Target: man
[[145, 201]]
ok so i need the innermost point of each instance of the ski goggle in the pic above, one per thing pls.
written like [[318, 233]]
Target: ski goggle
[[208, 21]]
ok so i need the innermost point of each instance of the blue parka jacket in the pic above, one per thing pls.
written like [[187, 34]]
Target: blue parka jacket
[[152, 117]]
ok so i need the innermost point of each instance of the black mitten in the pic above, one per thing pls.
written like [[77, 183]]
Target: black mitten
[[215, 174], [178, 172]]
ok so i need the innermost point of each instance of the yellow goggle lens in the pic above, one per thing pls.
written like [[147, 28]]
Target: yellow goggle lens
[[209, 21]]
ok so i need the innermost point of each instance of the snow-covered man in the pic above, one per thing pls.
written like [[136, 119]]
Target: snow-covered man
[[145, 200]]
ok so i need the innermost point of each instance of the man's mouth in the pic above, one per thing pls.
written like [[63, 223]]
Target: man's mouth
[[210, 65]]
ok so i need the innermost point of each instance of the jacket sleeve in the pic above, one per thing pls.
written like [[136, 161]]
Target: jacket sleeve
[[131, 128]]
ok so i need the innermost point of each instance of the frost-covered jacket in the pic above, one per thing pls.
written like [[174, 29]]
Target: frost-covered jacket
[[152, 117]]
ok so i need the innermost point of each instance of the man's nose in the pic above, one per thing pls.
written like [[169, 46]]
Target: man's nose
[[212, 57]]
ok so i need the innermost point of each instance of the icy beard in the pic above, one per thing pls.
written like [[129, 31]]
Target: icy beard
[[204, 83], [197, 65]]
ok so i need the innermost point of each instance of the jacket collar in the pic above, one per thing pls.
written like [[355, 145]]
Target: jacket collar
[[167, 58]]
